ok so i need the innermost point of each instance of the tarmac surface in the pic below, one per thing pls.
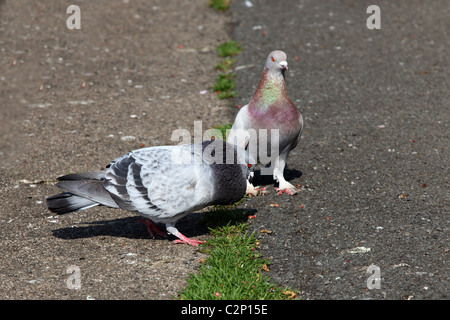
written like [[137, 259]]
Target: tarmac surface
[[373, 161], [372, 164]]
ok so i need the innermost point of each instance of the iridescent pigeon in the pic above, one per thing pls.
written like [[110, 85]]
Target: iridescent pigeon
[[270, 108], [162, 184]]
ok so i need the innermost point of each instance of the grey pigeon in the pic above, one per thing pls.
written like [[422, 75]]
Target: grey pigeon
[[270, 108], [162, 183]]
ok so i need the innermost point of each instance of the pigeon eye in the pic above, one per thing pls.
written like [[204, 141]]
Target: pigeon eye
[[273, 60], [249, 165]]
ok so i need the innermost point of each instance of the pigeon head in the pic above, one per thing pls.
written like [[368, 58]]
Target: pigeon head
[[276, 62]]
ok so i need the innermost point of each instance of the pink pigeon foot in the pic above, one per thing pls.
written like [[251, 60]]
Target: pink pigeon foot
[[287, 191], [151, 228], [186, 240]]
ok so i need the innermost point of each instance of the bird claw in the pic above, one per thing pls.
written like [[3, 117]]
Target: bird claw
[[289, 191], [261, 190], [186, 240], [255, 191]]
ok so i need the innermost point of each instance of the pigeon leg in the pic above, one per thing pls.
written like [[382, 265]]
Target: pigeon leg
[[181, 238], [283, 185], [151, 227]]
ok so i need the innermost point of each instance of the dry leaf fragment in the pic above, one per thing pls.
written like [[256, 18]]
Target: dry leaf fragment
[[291, 294], [272, 204]]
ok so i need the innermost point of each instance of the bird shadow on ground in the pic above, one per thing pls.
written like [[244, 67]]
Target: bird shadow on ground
[[264, 180], [128, 227], [191, 226]]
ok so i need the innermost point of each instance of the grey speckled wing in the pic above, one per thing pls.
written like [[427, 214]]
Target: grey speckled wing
[[160, 183], [149, 182]]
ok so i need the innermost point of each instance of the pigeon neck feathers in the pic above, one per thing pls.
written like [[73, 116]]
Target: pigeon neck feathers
[[270, 104], [271, 91], [231, 184], [230, 179]]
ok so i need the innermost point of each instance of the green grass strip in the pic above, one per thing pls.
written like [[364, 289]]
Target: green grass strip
[[220, 5], [234, 269], [229, 49], [224, 86]]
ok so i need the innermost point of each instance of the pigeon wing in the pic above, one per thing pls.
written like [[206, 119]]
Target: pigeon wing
[[160, 182]]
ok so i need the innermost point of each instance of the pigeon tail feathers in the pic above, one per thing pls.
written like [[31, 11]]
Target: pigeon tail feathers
[[68, 202], [83, 191]]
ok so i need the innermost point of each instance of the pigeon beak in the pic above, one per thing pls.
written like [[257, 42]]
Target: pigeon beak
[[284, 65]]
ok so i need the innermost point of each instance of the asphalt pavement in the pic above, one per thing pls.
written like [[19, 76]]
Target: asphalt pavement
[[372, 215], [372, 164]]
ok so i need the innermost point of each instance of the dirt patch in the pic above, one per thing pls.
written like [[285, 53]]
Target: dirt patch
[[72, 100]]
